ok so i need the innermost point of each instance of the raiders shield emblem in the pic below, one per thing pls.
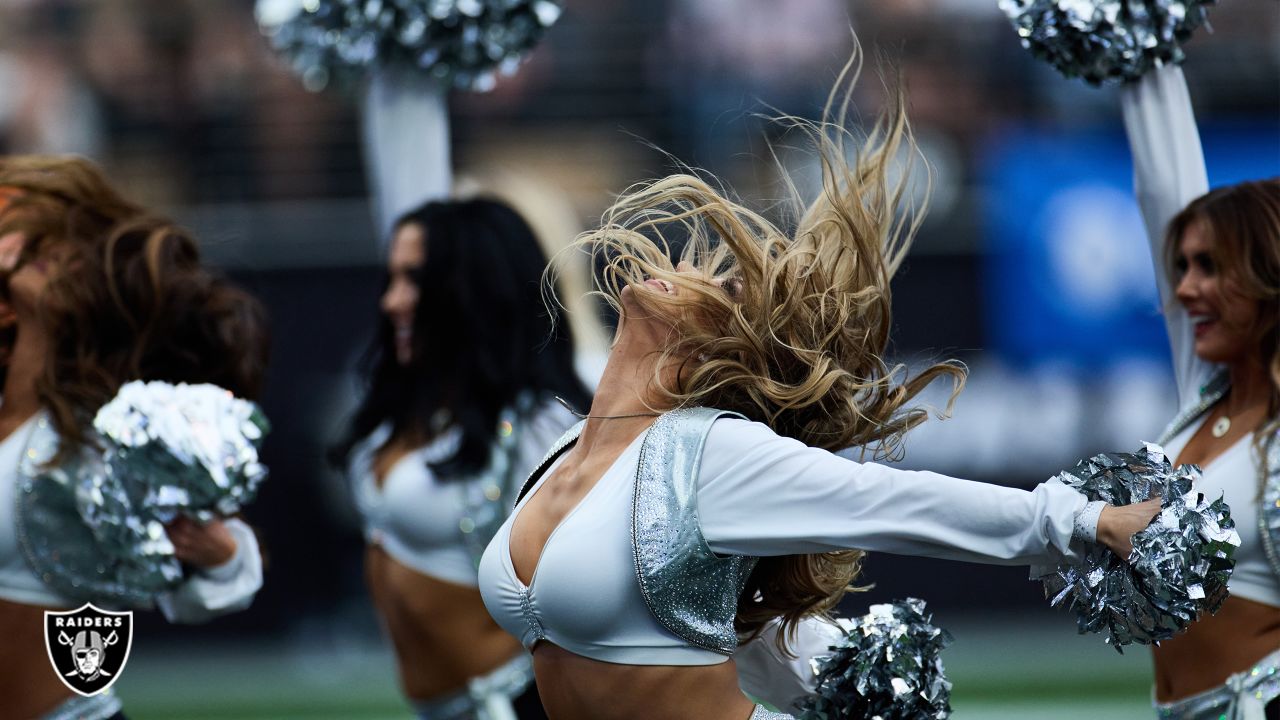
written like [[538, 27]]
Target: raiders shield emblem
[[88, 647]]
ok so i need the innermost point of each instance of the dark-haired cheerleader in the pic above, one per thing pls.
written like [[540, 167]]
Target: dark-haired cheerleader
[[463, 376]]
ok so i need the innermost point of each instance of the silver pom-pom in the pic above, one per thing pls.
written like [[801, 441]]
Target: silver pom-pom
[[888, 667], [93, 525], [463, 43], [1180, 563], [183, 448], [1105, 41]]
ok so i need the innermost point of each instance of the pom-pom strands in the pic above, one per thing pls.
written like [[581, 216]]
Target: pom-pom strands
[[887, 667], [1105, 41], [194, 448], [93, 525], [462, 43], [1180, 562]]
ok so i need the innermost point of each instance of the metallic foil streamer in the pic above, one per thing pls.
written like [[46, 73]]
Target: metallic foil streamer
[[1180, 563], [93, 525], [1104, 41], [462, 43], [182, 448], [887, 667]]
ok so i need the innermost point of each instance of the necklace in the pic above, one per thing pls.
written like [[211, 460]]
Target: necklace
[[579, 415], [1221, 426]]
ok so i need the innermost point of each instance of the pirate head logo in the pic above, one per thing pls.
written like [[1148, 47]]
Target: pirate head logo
[[88, 647]]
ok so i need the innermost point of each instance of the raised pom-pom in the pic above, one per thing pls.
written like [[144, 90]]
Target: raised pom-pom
[[1105, 41], [888, 666], [463, 43], [1180, 562]]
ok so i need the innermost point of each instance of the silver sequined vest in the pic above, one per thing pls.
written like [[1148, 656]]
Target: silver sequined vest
[[1268, 472], [692, 591]]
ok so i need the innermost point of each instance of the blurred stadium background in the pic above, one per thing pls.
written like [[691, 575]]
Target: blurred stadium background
[[1031, 267]]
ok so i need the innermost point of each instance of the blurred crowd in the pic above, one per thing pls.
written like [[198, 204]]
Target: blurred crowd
[[185, 103]]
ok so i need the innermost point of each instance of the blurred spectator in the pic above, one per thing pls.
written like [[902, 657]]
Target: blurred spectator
[[45, 105]]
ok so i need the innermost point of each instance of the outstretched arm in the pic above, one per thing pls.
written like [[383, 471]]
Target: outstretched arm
[[1168, 173], [761, 494]]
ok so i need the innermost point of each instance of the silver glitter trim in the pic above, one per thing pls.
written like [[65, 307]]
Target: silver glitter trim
[[1269, 510], [1260, 684], [1085, 527], [530, 616], [762, 713], [689, 589], [485, 499]]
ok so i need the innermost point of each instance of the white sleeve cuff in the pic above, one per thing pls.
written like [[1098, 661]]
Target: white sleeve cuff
[[1086, 522], [226, 571], [221, 589]]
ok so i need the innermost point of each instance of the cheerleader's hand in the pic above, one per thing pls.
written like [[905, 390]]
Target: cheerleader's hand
[[1118, 525], [202, 545]]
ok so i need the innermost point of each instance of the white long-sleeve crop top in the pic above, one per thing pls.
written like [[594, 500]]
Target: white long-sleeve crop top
[[758, 494], [203, 595], [419, 519]]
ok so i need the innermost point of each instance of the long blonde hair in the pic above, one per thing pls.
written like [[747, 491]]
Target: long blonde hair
[[796, 335]]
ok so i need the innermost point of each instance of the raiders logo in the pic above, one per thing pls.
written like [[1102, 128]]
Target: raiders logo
[[88, 647]]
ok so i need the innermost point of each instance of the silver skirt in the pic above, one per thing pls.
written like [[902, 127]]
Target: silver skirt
[[487, 697], [762, 714], [1242, 697], [94, 707]]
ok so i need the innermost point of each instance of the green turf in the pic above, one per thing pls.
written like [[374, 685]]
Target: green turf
[[1024, 669]]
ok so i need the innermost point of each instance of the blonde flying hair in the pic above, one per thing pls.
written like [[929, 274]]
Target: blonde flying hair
[[795, 335]]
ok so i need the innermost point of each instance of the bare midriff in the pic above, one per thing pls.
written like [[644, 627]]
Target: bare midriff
[[1215, 647], [29, 686], [574, 687], [442, 633]]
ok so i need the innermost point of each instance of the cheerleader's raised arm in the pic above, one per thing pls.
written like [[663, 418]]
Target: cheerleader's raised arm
[[1168, 173]]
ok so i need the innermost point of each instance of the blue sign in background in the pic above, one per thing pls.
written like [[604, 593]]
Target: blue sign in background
[[1069, 279]]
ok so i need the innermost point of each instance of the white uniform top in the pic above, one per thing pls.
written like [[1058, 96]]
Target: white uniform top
[[415, 516], [1169, 173], [759, 494], [203, 595]]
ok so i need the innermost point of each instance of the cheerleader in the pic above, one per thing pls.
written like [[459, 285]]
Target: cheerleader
[[1217, 256], [463, 375], [698, 504], [103, 293]]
